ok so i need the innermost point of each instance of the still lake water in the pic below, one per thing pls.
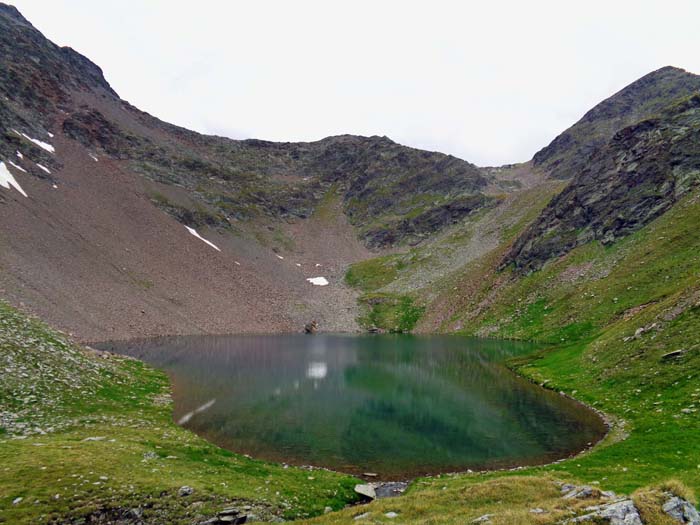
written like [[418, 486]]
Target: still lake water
[[395, 405]]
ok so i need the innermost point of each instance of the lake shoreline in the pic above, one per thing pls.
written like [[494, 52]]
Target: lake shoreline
[[503, 466]]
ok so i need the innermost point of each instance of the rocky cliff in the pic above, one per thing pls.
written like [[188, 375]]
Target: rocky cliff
[[637, 176], [569, 152]]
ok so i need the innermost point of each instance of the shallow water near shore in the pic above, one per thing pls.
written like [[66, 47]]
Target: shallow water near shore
[[395, 405]]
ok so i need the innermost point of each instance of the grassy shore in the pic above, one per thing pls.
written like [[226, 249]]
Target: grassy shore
[[85, 434]]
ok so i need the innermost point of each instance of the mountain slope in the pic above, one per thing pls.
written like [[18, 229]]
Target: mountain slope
[[99, 247], [643, 171], [569, 153]]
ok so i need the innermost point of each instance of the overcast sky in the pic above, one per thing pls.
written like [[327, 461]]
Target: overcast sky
[[487, 81]]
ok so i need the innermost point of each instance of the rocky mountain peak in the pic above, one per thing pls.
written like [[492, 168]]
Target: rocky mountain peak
[[569, 153], [10, 12]]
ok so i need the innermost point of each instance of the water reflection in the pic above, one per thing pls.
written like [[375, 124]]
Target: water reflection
[[396, 405]]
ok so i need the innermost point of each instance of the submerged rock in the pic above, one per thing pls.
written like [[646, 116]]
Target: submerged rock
[[390, 489]]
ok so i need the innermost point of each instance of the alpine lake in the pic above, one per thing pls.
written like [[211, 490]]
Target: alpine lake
[[396, 406]]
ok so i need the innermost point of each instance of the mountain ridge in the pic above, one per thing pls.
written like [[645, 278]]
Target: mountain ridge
[[569, 151]]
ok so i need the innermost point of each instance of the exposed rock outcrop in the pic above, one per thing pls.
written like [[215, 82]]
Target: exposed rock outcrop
[[571, 151], [643, 171]]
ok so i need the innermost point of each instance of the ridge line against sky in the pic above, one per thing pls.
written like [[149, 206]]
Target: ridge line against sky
[[490, 84]]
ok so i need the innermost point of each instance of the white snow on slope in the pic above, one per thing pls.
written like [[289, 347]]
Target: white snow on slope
[[8, 181], [49, 134], [20, 168], [318, 281], [19, 155], [93, 157], [44, 145], [279, 256], [47, 170], [194, 232]]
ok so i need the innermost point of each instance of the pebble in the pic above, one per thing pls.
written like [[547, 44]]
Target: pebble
[[185, 490]]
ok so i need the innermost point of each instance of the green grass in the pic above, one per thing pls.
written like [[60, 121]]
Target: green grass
[[82, 431], [374, 273], [391, 313]]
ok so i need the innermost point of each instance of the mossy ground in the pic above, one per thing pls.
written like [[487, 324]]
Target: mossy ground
[[85, 432]]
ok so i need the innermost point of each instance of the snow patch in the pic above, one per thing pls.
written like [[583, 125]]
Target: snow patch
[[44, 145], [318, 281], [318, 265], [237, 263], [93, 157], [20, 168], [299, 265], [194, 232], [279, 256], [19, 155], [47, 170], [54, 186], [8, 181], [49, 134]]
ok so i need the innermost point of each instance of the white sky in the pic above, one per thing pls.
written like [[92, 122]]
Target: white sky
[[488, 81]]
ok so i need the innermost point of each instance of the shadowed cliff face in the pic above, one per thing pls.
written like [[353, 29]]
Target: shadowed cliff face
[[569, 153], [637, 176]]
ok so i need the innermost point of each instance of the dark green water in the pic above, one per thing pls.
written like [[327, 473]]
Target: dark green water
[[396, 405]]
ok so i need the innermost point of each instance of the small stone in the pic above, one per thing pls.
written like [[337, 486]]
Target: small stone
[[362, 516], [233, 520], [185, 490], [391, 515], [681, 511], [483, 519], [618, 513], [328, 510], [672, 355], [366, 490], [230, 511], [581, 493], [537, 510], [17, 501], [567, 487], [370, 474]]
